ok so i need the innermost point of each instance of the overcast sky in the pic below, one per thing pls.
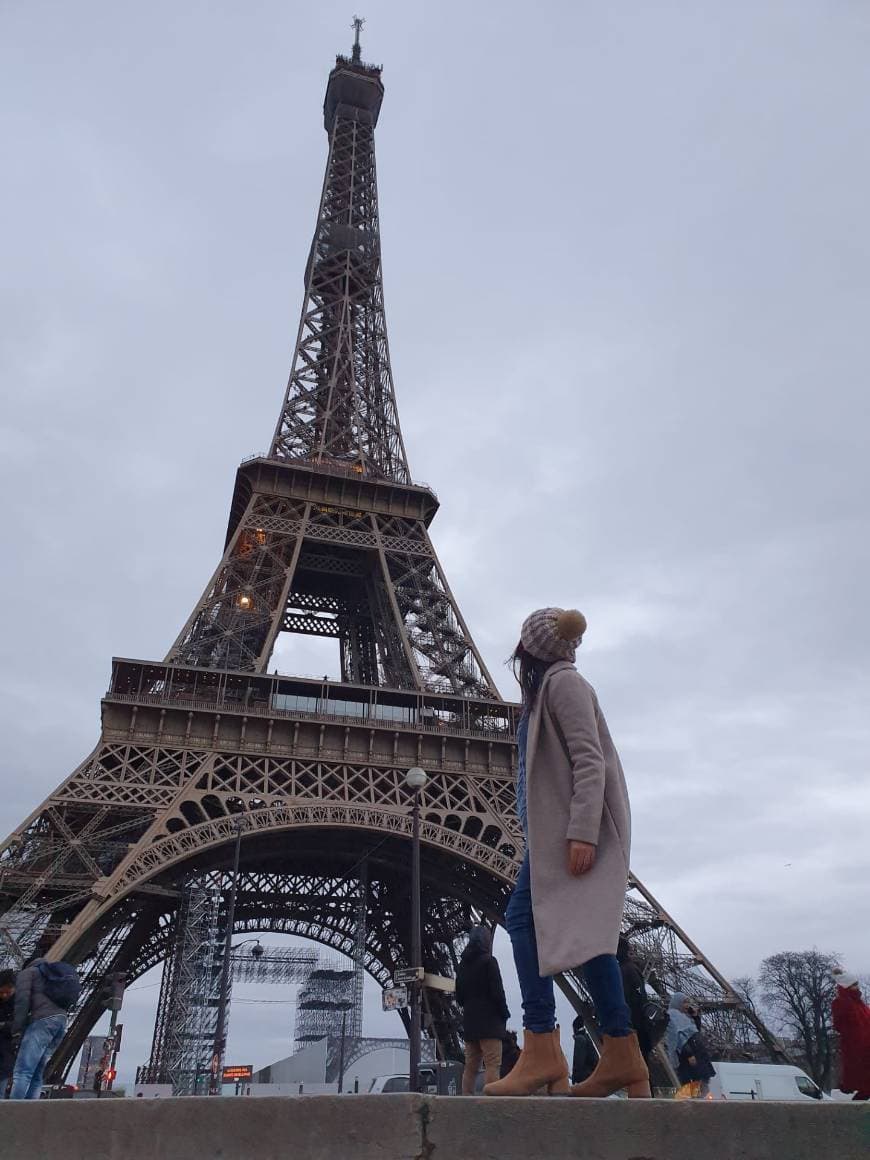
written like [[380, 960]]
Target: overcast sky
[[626, 267]]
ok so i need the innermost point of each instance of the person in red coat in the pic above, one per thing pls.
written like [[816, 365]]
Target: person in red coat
[[852, 1023]]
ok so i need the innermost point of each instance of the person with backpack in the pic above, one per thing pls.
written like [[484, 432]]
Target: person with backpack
[[45, 992]]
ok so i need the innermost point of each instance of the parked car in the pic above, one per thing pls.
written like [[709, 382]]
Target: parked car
[[58, 1091], [762, 1081]]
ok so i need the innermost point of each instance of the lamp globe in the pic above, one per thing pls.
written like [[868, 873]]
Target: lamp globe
[[416, 778]]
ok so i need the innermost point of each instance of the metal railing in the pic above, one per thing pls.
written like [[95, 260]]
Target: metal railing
[[336, 467], [182, 701]]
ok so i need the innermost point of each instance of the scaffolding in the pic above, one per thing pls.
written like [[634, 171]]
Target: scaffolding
[[329, 1005], [326, 1007], [261, 964], [189, 991]]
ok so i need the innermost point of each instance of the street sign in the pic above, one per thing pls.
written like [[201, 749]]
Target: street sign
[[439, 983], [394, 998], [409, 975], [238, 1072]]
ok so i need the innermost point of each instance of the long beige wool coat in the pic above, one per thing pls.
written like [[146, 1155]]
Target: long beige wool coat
[[575, 790]]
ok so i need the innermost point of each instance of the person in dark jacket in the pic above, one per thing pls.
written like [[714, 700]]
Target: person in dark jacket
[[584, 1059], [480, 994], [635, 996], [42, 1024], [7, 1016], [510, 1052]]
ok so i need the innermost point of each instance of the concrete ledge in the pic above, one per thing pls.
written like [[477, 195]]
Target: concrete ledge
[[405, 1127]]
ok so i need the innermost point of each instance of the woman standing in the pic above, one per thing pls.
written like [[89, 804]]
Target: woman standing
[[480, 994], [566, 908]]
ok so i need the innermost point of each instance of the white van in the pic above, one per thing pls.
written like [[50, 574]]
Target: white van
[[762, 1081], [388, 1084]]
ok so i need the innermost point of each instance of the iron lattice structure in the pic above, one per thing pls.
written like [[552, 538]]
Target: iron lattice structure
[[325, 1001], [186, 1021], [329, 537]]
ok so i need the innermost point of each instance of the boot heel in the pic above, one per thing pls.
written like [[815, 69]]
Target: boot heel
[[559, 1087], [640, 1090]]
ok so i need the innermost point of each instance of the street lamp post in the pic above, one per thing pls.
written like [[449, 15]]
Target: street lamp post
[[341, 1052], [415, 779], [217, 1058]]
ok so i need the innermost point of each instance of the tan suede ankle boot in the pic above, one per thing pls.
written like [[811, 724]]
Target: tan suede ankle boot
[[541, 1065], [621, 1066]]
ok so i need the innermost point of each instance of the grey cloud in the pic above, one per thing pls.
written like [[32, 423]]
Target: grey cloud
[[627, 286]]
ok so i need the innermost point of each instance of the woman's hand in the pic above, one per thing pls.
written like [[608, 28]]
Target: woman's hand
[[581, 858]]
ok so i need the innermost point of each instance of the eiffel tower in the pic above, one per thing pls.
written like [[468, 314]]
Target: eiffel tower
[[328, 536]]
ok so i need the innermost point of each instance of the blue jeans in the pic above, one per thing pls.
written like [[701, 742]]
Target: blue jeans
[[602, 975], [39, 1042]]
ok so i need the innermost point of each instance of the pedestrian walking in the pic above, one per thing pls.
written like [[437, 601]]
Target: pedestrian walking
[[480, 994], [7, 1018], [687, 1048], [567, 904], [852, 1023], [44, 994]]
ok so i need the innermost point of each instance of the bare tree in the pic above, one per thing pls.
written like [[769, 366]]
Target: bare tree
[[747, 988], [798, 989]]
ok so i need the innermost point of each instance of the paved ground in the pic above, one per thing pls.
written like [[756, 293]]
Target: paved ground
[[406, 1127]]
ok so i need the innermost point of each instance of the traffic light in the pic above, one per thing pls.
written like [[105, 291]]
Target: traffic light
[[119, 982], [108, 1076], [111, 992]]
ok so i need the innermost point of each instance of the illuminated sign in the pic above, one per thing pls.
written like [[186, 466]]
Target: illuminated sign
[[234, 1074]]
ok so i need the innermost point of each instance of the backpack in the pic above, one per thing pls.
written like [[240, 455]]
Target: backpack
[[61, 984], [656, 1019]]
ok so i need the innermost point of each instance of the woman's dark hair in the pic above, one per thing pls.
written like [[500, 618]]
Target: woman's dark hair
[[479, 943], [7, 978], [529, 672]]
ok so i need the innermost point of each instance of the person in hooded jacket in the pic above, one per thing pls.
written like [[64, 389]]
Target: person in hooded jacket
[[852, 1023], [40, 1022], [480, 994], [686, 1047]]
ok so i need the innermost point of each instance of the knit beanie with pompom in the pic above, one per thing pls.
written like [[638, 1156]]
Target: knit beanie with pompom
[[552, 634], [844, 978]]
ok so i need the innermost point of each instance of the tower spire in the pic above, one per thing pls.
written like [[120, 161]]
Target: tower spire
[[340, 408], [358, 22]]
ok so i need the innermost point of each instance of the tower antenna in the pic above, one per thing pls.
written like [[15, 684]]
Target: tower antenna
[[358, 22]]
